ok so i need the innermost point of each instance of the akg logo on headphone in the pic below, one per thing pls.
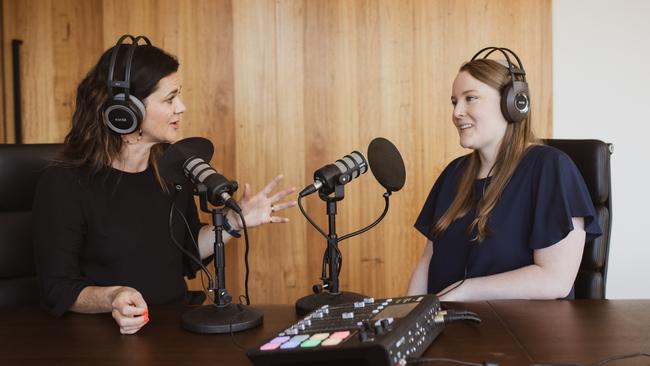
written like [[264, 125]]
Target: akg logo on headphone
[[522, 102]]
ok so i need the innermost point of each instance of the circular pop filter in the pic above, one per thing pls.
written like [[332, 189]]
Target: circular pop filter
[[171, 163], [386, 164]]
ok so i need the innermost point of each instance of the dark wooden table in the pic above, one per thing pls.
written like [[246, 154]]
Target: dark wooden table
[[512, 333], [581, 331]]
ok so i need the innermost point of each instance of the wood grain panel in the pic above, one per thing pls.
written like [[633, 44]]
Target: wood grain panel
[[61, 43], [206, 57], [257, 130], [287, 86], [27, 21], [269, 113]]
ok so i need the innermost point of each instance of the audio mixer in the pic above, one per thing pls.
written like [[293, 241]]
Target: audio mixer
[[369, 332]]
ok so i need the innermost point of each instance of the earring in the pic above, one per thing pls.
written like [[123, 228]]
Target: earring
[[136, 140]]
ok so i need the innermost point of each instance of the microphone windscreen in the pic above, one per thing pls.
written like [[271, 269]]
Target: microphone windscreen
[[171, 163], [386, 164]]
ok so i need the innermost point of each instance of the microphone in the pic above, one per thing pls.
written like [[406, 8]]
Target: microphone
[[219, 187], [187, 159], [341, 172]]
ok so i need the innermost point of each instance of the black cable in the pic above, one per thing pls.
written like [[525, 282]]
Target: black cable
[[326, 258], [247, 295], [206, 291], [461, 312], [323, 268], [601, 362], [419, 360], [340, 256], [322, 232], [386, 196], [309, 218], [451, 316], [467, 257], [457, 285], [470, 251], [232, 334], [486, 179], [180, 247]]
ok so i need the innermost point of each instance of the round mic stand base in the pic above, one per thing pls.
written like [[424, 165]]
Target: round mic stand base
[[221, 319], [307, 304]]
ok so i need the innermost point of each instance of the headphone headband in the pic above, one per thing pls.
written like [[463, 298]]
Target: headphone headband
[[504, 51], [126, 83]]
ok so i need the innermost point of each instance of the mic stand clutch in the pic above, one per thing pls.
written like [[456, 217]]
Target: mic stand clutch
[[328, 293], [221, 316]]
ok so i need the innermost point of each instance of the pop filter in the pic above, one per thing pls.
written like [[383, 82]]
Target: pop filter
[[171, 163], [386, 164]]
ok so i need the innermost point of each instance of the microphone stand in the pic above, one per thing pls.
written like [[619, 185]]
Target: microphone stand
[[328, 293], [221, 316]]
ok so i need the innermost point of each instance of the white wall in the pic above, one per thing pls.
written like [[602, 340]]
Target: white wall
[[601, 89]]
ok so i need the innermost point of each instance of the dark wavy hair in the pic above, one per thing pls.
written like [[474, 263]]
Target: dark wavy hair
[[90, 144]]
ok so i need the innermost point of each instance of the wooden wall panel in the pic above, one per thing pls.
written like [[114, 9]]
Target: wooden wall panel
[[61, 43], [287, 86], [206, 57], [29, 21]]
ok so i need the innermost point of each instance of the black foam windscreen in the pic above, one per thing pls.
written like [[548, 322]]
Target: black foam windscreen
[[386, 164], [171, 163]]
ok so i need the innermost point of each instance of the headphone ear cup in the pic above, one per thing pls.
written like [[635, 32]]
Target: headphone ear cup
[[515, 103], [122, 116]]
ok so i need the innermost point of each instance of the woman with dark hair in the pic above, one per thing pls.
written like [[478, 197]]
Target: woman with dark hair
[[101, 212], [510, 219]]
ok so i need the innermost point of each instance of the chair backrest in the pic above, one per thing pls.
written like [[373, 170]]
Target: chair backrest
[[20, 169], [592, 157]]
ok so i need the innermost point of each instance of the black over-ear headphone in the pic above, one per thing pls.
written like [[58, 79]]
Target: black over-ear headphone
[[124, 112], [515, 103]]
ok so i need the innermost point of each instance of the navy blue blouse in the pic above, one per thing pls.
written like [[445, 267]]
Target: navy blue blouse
[[535, 210]]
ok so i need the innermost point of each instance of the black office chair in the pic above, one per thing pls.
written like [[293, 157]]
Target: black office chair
[[20, 169], [592, 157]]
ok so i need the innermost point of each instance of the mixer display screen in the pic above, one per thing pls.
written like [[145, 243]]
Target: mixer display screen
[[396, 311]]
